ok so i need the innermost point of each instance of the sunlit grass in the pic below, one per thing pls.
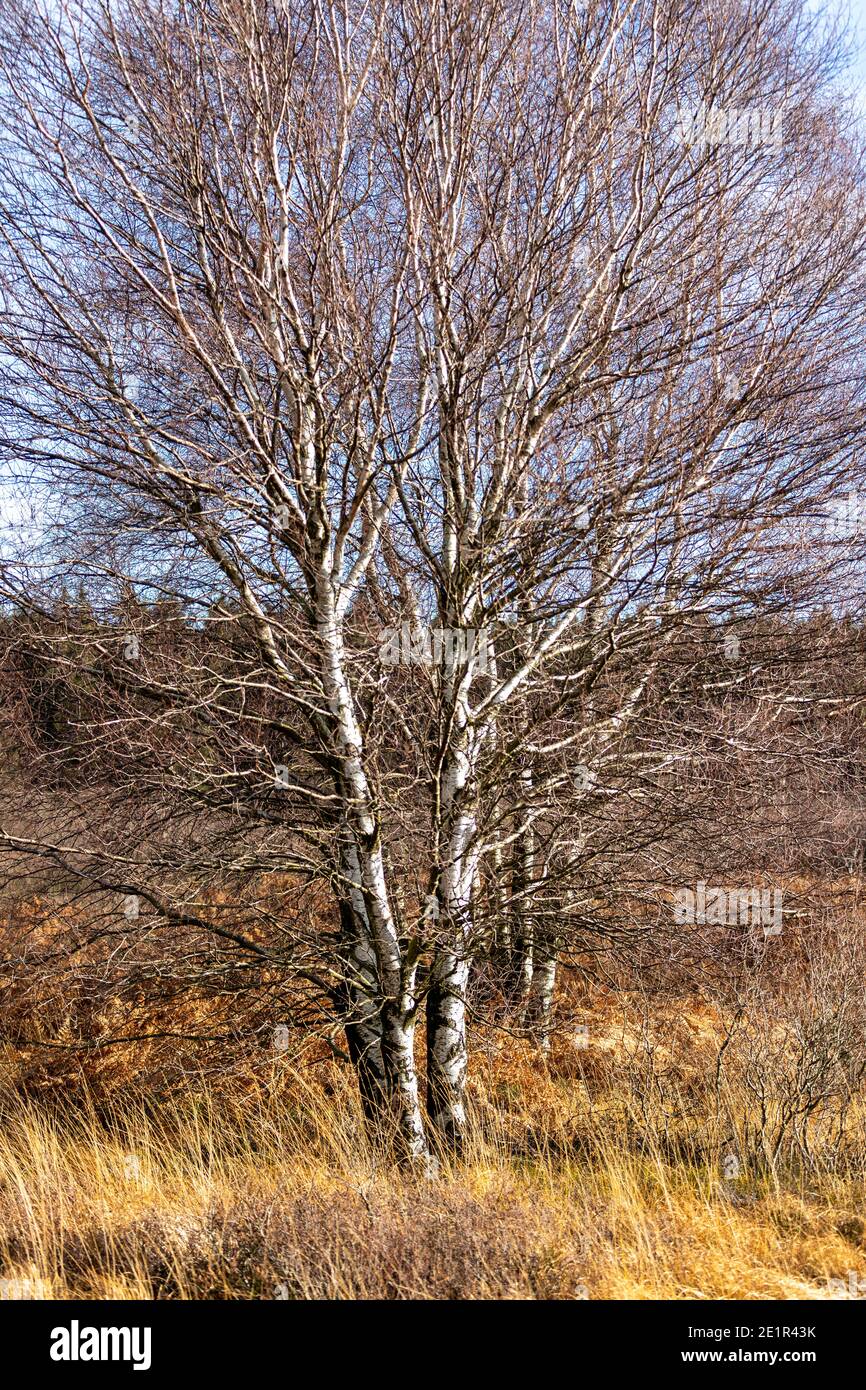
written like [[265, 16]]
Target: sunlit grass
[[281, 1197]]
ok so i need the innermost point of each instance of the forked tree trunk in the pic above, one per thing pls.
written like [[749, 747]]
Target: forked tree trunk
[[381, 1042], [378, 951], [395, 1011]]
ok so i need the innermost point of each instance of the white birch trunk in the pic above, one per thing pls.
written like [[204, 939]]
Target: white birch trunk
[[522, 892], [396, 981], [446, 999], [539, 1011], [446, 1049], [363, 1025]]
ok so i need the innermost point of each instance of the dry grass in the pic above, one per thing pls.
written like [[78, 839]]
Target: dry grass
[[598, 1175]]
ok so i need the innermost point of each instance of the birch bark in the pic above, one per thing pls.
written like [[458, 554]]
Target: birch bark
[[395, 976]]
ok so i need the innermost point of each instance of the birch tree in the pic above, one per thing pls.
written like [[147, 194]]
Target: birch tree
[[376, 335]]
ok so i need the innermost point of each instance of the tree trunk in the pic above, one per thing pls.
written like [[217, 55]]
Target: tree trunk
[[380, 1028], [362, 1018], [539, 1006], [446, 1049], [380, 1035], [522, 879], [364, 879], [449, 974], [398, 1054]]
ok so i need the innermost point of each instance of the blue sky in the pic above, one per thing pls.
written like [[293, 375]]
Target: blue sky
[[857, 10]]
